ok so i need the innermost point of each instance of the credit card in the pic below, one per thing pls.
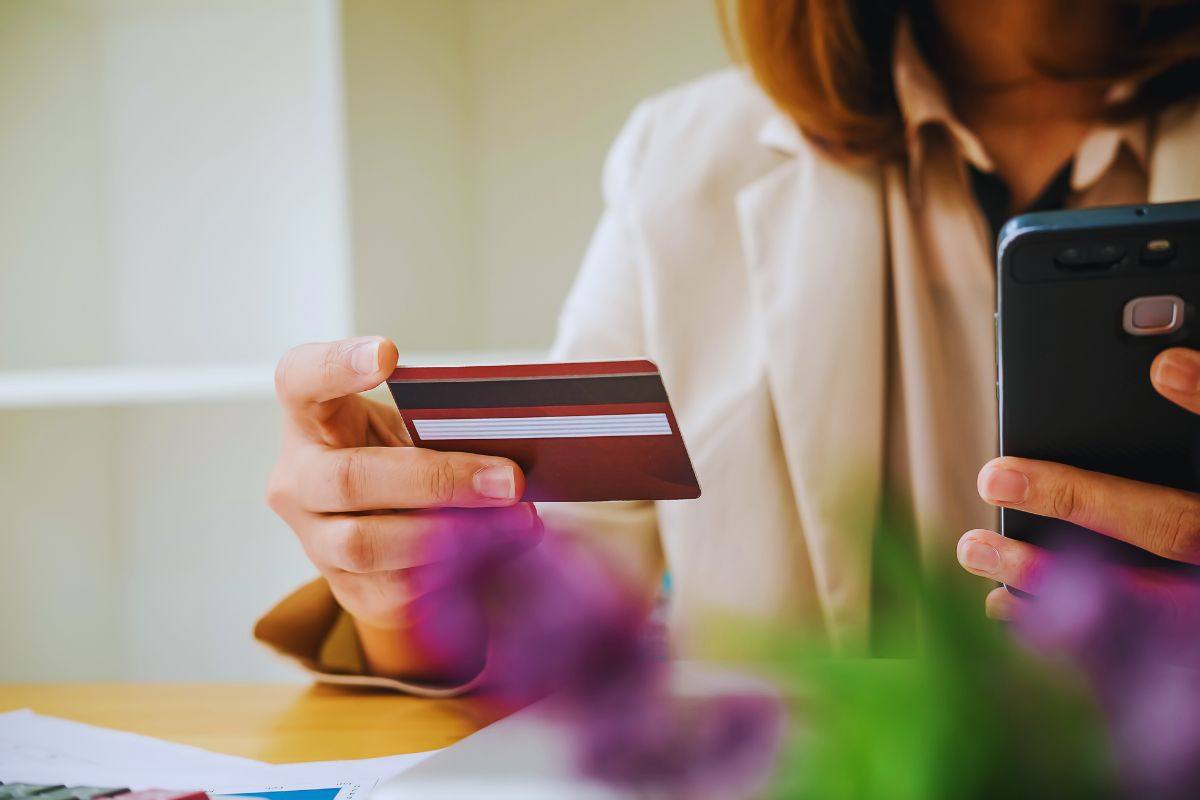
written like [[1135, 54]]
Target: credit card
[[582, 431]]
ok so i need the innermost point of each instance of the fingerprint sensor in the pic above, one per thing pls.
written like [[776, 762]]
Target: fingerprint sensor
[[1151, 316]]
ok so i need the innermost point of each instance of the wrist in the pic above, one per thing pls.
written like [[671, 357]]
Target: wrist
[[391, 652]]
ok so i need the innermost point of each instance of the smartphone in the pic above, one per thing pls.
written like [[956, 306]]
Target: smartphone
[[1085, 300]]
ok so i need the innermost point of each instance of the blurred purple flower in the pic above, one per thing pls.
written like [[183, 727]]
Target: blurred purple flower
[[555, 619], [719, 747], [1128, 633], [558, 619]]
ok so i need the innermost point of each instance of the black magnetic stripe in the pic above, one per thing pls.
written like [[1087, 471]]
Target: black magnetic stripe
[[510, 393]]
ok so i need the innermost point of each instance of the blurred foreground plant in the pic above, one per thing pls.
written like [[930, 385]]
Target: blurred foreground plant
[[559, 620], [1094, 692], [971, 715], [1139, 649], [1097, 696]]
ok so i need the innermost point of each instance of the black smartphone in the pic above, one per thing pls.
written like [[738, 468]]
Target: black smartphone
[[1085, 300]]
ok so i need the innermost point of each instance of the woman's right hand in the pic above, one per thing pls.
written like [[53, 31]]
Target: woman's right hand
[[363, 501]]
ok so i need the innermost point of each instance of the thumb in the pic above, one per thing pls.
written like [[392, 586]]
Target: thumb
[[312, 377], [1175, 373]]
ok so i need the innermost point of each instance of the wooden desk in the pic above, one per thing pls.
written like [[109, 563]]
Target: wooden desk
[[269, 722]]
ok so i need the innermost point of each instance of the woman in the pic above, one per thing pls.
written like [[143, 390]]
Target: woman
[[805, 247]]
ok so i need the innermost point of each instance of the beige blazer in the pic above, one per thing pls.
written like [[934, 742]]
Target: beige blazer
[[753, 269]]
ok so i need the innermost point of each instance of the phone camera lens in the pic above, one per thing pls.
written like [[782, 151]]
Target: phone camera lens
[[1071, 256], [1096, 257]]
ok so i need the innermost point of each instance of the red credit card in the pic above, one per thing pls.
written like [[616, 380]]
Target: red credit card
[[592, 430]]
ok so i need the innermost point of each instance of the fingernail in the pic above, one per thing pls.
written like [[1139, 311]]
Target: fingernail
[[1000, 485], [1178, 374], [517, 518], [979, 557], [364, 357], [498, 482]]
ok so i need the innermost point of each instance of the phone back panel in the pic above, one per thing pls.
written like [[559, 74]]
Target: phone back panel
[[1074, 386]]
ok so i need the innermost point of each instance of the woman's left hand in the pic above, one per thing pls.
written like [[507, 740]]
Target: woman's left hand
[[1155, 518]]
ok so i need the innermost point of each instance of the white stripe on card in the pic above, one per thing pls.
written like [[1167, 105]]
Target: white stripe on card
[[544, 427]]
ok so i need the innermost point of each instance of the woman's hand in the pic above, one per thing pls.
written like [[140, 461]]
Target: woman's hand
[[1161, 520], [363, 501]]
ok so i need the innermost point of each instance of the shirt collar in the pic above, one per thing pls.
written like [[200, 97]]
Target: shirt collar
[[924, 104], [1100, 148]]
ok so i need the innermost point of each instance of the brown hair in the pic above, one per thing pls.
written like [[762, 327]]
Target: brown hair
[[828, 63]]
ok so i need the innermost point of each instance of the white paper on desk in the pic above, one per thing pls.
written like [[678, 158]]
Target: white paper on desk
[[40, 749]]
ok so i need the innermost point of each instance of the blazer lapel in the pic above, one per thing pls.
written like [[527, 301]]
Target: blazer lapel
[[1175, 164], [812, 232]]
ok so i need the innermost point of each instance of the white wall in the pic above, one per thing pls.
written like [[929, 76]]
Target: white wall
[[477, 131], [223, 177], [170, 180], [552, 83], [410, 166], [51, 174], [171, 194], [60, 616]]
